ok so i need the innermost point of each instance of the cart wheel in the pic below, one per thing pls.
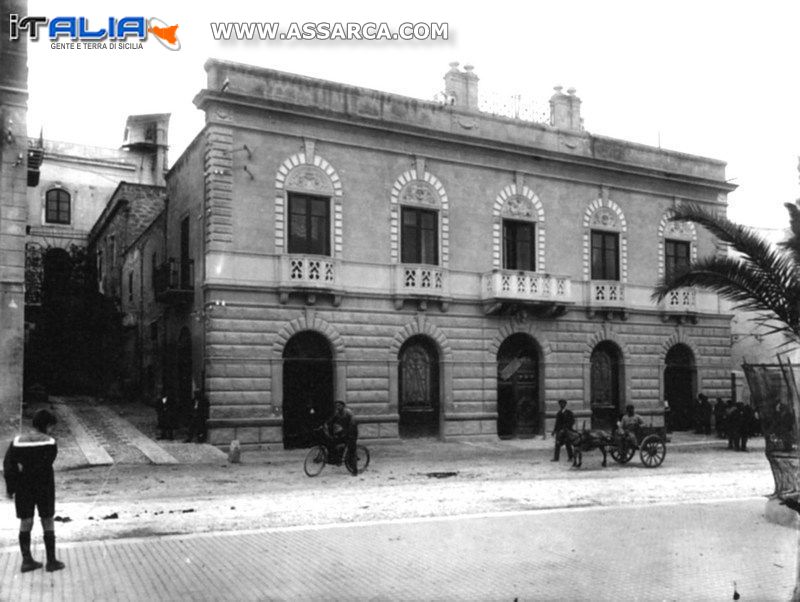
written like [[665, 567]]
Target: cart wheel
[[623, 453], [652, 451]]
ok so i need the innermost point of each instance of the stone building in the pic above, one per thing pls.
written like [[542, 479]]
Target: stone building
[[126, 245], [66, 321], [142, 320], [13, 211], [446, 270], [76, 183]]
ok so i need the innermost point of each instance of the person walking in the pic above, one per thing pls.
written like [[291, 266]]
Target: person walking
[[28, 472], [719, 418], [747, 417], [197, 425], [705, 411], [733, 425], [565, 422], [166, 415]]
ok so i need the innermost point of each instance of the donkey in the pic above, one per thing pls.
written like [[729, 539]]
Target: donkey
[[587, 440]]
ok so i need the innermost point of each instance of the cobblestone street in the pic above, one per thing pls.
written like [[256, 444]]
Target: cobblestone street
[[464, 519], [659, 552]]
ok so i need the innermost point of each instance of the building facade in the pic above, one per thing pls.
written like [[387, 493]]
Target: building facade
[[126, 244], [66, 320], [76, 183], [13, 211], [447, 271]]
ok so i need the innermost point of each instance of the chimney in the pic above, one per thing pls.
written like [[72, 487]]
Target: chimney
[[565, 110], [462, 87]]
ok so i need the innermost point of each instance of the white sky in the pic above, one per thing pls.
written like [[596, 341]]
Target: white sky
[[711, 78]]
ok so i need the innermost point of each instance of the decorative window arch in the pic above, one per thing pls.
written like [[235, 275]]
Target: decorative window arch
[[605, 215], [521, 204], [684, 231], [419, 188], [57, 206], [307, 173]]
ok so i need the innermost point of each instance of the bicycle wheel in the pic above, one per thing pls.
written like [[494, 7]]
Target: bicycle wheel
[[315, 460]]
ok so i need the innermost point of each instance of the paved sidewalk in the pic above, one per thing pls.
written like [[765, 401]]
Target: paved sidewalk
[[658, 552]]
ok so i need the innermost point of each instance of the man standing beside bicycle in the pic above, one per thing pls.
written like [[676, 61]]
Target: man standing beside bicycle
[[343, 428]]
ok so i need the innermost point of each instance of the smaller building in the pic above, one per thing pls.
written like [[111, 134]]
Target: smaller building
[[126, 244], [142, 315]]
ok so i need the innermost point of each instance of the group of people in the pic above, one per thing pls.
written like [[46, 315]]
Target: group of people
[[168, 419], [736, 422]]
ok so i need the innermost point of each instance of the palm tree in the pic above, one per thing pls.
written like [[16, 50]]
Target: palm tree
[[760, 277]]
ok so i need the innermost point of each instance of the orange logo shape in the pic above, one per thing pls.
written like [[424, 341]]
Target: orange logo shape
[[164, 33]]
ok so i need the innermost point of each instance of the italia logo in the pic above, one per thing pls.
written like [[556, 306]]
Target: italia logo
[[79, 29]]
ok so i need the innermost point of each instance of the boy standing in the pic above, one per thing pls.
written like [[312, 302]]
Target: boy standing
[[28, 472]]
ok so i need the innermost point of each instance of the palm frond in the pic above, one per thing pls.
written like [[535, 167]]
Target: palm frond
[[743, 239], [792, 244], [741, 281], [762, 278]]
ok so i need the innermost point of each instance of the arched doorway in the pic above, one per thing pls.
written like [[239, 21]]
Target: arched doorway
[[606, 385], [307, 386], [57, 272], [419, 388], [184, 375], [518, 378], [680, 383]]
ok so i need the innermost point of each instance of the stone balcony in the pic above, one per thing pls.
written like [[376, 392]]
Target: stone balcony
[[420, 281], [680, 300], [507, 287], [309, 274], [680, 305], [606, 294], [174, 282]]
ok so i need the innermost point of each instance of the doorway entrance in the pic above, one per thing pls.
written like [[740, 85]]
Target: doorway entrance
[[680, 383], [606, 380], [307, 386], [518, 379], [419, 388]]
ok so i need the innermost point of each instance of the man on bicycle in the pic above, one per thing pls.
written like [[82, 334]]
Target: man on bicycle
[[343, 428], [629, 426]]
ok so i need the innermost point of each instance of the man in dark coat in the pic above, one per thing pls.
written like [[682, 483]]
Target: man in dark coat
[[719, 417], [343, 428], [166, 413], [28, 472], [565, 422], [706, 411], [746, 419], [733, 424], [197, 425]]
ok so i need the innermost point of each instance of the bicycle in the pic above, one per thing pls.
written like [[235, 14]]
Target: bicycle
[[321, 454]]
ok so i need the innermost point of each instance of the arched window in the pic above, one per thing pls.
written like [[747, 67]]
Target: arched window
[[57, 206]]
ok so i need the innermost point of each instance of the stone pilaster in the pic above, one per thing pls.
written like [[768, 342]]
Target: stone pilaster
[[219, 188], [13, 211]]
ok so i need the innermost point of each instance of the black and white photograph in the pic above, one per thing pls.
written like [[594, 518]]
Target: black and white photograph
[[399, 301]]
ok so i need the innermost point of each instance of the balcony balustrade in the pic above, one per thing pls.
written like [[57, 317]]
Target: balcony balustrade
[[531, 287], [680, 300], [425, 280], [174, 281], [606, 293]]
